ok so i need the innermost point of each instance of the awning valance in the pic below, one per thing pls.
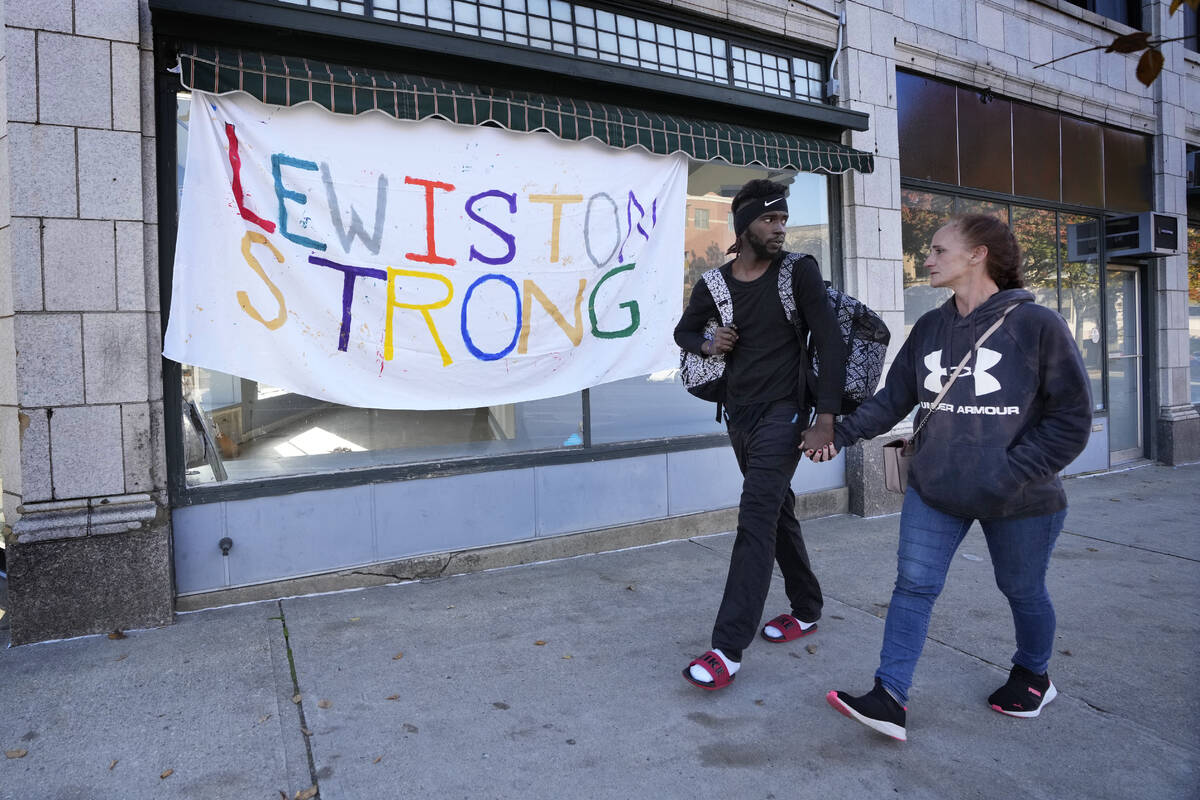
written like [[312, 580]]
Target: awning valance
[[282, 80]]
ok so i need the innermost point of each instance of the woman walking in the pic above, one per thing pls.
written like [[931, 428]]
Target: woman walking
[[1017, 410]]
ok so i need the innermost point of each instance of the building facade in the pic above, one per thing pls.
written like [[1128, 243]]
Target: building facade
[[134, 485]]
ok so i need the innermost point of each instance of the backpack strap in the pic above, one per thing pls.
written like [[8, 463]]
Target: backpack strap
[[719, 290], [787, 285]]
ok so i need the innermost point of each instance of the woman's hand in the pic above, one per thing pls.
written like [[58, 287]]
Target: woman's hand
[[819, 435], [826, 453]]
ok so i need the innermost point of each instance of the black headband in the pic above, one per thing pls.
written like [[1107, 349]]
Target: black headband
[[753, 209]]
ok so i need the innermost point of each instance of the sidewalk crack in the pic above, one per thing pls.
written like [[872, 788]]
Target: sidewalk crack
[[312, 767]]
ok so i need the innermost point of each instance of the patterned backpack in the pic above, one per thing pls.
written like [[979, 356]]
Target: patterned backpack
[[863, 331]]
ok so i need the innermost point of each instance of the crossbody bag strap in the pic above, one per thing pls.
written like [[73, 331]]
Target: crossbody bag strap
[[961, 365]]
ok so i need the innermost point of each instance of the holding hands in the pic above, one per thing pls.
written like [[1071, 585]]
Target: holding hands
[[817, 441], [825, 453]]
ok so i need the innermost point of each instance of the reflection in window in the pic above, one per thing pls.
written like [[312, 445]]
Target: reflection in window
[[921, 214], [1079, 282], [1037, 235], [1194, 311]]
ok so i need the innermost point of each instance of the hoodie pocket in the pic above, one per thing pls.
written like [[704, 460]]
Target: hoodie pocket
[[969, 480]]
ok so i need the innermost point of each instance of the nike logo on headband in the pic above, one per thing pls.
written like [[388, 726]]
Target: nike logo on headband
[[776, 200]]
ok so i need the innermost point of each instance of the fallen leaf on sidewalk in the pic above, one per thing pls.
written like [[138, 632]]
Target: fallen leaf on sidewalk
[[449, 606], [398, 656], [113, 764], [566, 657], [306, 731], [263, 718], [355, 619], [540, 642], [16, 753], [811, 648], [307, 794], [1066, 652], [629, 588], [376, 761], [1093, 550], [324, 704], [121, 657], [296, 698], [410, 728], [760, 702], [117, 635], [166, 774], [392, 697]]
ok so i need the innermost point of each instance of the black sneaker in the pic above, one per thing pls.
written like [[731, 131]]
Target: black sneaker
[[876, 709], [1024, 695]]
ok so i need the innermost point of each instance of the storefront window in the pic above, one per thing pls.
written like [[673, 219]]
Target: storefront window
[[921, 214], [1194, 310], [1079, 284], [236, 429], [1037, 235]]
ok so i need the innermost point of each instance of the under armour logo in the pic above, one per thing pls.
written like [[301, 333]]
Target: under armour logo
[[985, 359]]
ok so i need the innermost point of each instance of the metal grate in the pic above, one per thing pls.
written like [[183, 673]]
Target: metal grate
[[579, 30]]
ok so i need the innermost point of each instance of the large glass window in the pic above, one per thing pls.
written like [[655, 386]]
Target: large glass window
[[1037, 235], [1079, 293], [236, 429], [1194, 310]]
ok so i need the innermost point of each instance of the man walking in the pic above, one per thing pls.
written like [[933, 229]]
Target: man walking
[[766, 410]]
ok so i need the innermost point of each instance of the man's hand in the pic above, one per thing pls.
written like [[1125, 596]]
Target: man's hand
[[722, 342], [819, 436]]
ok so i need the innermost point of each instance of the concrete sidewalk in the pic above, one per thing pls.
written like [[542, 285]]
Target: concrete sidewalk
[[561, 680]]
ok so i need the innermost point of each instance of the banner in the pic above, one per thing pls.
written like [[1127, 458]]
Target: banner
[[421, 265]]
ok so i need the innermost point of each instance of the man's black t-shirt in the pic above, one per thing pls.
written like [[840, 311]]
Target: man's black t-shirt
[[766, 364]]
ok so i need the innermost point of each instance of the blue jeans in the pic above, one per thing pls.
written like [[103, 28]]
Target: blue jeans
[[1020, 550]]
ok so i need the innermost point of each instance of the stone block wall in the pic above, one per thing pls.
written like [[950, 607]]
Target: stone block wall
[[80, 387]]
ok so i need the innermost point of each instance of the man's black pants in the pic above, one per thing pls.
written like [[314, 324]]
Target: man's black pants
[[768, 531]]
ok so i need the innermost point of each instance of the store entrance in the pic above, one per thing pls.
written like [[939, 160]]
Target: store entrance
[[1125, 364]]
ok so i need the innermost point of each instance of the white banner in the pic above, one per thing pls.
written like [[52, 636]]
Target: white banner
[[421, 265]]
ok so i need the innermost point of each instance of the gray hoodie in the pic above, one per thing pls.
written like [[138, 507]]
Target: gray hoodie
[[1018, 414]]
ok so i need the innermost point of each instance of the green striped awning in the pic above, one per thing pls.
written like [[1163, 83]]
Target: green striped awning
[[285, 81]]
